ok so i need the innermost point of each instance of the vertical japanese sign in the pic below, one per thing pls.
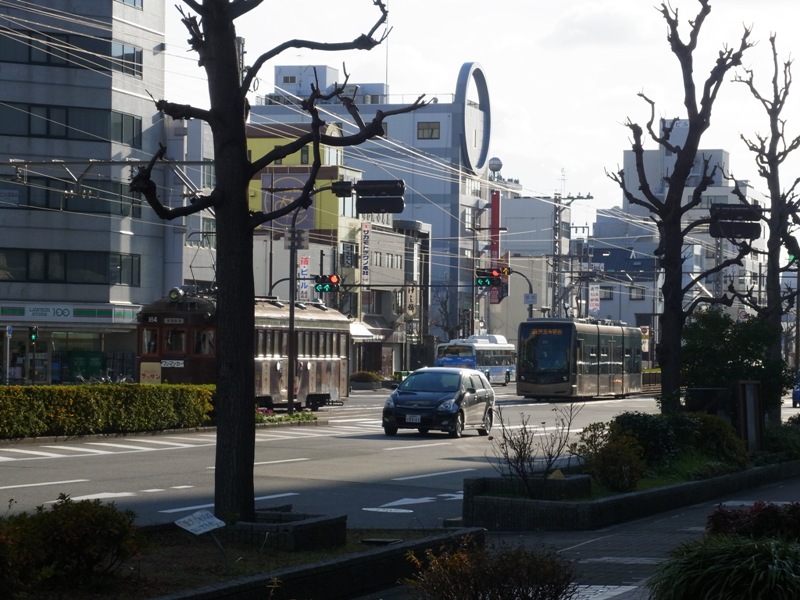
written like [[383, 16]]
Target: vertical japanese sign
[[594, 299], [365, 235], [303, 292]]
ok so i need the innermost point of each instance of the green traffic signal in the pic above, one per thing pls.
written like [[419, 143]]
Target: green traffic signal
[[487, 281]]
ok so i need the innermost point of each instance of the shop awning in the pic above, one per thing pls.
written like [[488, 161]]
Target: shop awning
[[359, 331]]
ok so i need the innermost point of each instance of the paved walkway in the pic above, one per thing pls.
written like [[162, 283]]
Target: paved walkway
[[614, 562]]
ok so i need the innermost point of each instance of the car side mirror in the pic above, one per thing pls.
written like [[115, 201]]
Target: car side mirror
[[394, 386], [472, 390]]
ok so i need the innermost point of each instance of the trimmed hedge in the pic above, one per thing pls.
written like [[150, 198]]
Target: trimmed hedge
[[50, 410]]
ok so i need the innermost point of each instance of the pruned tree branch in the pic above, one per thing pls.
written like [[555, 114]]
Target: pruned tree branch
[[362, 42], [142, 183]]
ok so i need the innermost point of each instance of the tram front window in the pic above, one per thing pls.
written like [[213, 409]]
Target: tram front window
[[546, 352]]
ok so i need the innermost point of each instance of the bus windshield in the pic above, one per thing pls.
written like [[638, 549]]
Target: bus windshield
[[545, 349]]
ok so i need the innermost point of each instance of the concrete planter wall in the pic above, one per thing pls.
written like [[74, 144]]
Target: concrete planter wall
[[338, 579], [483, 508], [365, 385]]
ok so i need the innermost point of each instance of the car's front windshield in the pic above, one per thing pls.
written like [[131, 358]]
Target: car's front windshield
[[431, 382]]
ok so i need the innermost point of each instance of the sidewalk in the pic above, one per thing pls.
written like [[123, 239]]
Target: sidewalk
[[616, 561]]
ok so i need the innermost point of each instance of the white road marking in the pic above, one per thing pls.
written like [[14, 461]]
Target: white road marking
[[417, 446], [200, 506], [80, 449], [27, 485], [431, 475], [277, 462], [123, 446], [33, 453]]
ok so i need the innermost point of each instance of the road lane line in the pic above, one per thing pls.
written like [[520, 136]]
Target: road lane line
[[44, 483], [200, 506], [432, 474], [277, 462], [417, 446]]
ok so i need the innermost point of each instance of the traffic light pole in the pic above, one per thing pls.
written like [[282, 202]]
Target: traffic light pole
[[292, 342]]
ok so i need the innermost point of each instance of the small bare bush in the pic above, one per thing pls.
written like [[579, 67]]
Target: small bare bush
[[529, 452], [470, 572]]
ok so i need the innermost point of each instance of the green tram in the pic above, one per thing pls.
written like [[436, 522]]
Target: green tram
[[578, 358]]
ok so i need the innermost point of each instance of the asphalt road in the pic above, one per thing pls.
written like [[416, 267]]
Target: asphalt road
[[344, 465]]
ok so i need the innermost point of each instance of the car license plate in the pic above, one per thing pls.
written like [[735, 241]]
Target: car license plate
[[413, 419]]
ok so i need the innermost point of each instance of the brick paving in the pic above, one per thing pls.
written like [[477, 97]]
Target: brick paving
[[615, 562]]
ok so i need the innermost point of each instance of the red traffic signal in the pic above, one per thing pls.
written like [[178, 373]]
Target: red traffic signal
[[326, 283]]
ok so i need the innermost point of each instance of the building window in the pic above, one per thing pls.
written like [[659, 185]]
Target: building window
[[428, 130], [289, 79], [606, 292], [304, 155], [134, 3], [126, 59], [637, 293], [70, 122], [59, 266]]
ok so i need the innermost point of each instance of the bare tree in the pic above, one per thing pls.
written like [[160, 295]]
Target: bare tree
[[441, 314], [668, 212], [213, 37], [770, 152]]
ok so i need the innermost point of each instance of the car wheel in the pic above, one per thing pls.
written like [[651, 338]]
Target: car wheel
[[390, 430], [423, 430], [488, 421], [458, 426]]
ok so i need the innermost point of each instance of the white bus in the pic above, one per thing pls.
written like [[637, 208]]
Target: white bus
[[493, 355]]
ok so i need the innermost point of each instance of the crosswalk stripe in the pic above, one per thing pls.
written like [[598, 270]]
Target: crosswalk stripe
[[32, 452], [142, 444], [80, 449]]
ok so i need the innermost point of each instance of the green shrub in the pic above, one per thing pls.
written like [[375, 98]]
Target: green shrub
[[470, 572], [618, 465], [781, 442], [366, 377], [717, 438], [34, 411], [653, 432], [722, 566], [71, 545]]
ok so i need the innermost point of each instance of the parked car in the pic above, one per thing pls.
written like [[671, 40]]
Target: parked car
[[796, 391], [443, 399]]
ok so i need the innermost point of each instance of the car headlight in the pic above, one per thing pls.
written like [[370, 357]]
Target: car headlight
[[448, 406], [389, 403]]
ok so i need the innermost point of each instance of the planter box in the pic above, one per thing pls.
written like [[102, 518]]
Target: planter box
[[365, 385], [521, 514]]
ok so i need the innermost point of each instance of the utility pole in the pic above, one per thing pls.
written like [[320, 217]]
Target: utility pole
[[560, 204]]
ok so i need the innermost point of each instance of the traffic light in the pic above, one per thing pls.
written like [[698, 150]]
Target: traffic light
[[380, 196], [326, 283], [33, 334], [506, 270], [792, 248], [734, 221], [487, 277]]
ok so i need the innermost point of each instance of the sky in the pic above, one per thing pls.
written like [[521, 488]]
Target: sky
[[563, 77]]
